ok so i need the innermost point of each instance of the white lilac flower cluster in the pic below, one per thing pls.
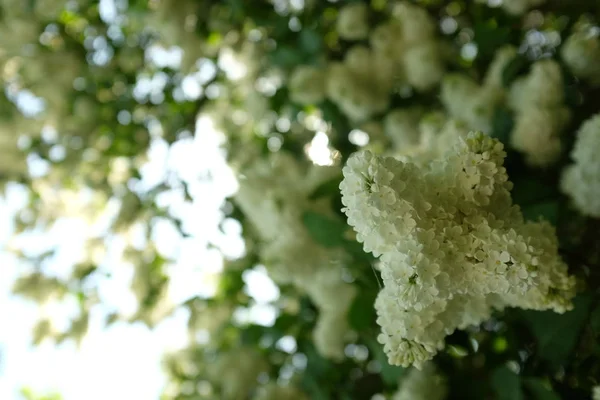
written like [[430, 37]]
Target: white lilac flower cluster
[[466, 100], [273, 194], [540, 113], [424, 384], [581, 180], [581, 53], [403, 50], [452, 246]]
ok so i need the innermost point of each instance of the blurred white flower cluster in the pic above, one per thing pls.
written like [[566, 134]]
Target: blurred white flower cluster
[[581, 180], [581, 53], [353, 22], [536, 100], [307, 85], [451, 244], [424, 384], [273, 194], [596, 392], [404, 50], [515, 7], [474, 104], [540, 113]]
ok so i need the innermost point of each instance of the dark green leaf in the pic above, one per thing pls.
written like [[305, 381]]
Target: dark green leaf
[[489, 36], [595, 320], [327, 188], [547, 210], [317, 370], [325, 230], [531, 191], [362, 313], [230, 284], [557, 333], [284, 322], [312, 386], [536, 198], [252, 334], [540, 390], [389, 373], [506, 384], [311, 41], [286, 57], [515, 67], [502, 125]]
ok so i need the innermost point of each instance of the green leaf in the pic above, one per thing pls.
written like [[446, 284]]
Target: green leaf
[[557, 334], [489, 36], [230, 284], [536, 198], [540, 390], [286, 56], [284, 322], [502, 124], [325, 230], [515, 67], [531, 191], [327, 188], [362, 313], [317, 370], [595, 320], [390, 374], [311, 41], [313, 387], [251, 334], [506, 384], [547, 210]]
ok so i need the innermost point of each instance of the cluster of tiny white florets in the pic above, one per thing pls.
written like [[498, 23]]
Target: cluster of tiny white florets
[[467, 101], [540, 113], [581, 53], [424, 384], [404, 50], [273, 194], [451, 244], [581, 180]]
